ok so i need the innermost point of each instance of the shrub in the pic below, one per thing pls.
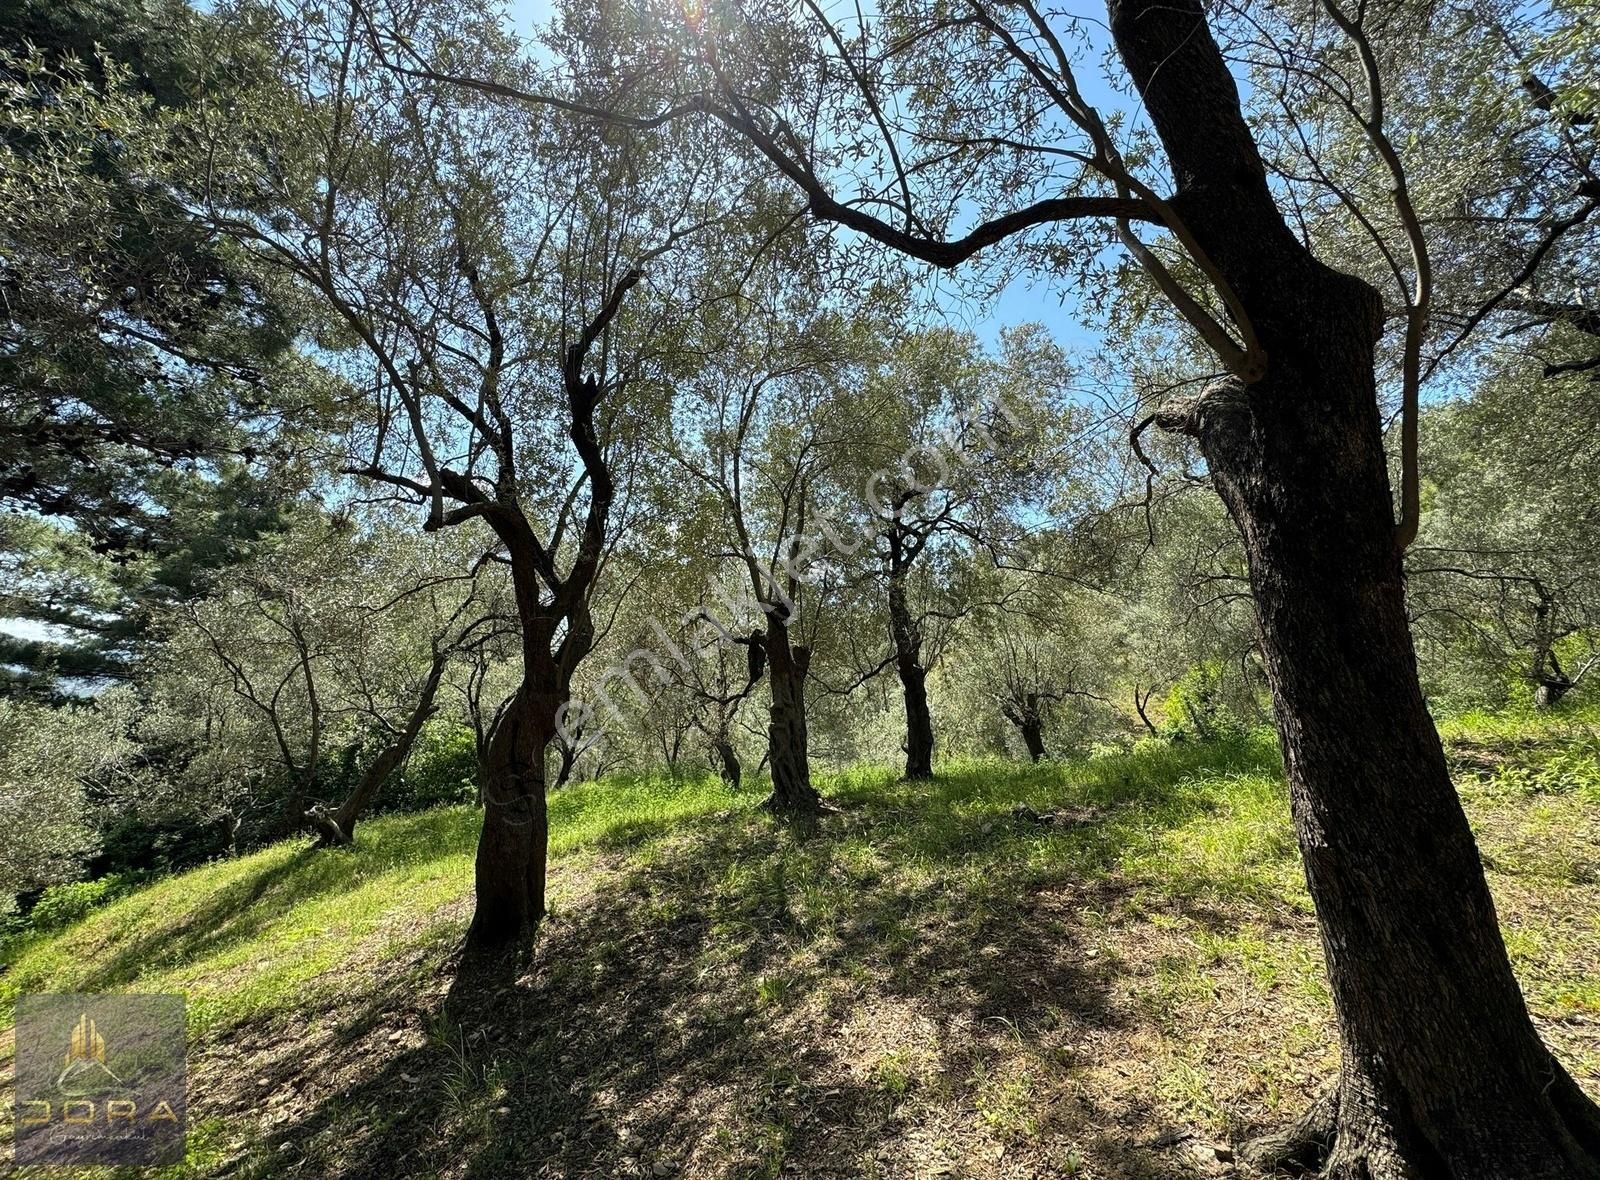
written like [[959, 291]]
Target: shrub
[[62, 905], [442, 769], [1196, 708], [132, 844]]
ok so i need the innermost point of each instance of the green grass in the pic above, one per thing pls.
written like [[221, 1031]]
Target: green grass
[[245, 938], [625, 811], [740, 998], [1521, 726], [249, 938]]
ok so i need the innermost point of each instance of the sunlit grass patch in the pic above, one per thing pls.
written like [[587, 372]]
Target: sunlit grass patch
[[624, 810], [1521, 726], [1135, 947], [248, 936]]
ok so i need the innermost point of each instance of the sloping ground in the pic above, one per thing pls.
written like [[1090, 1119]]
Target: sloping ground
[[923, 985]]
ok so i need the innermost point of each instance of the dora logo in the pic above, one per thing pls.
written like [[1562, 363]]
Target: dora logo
[[100, 1079], [86, 1058], [85, 1112]]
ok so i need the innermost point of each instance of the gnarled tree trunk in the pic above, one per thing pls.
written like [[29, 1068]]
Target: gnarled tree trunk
[[1028, 716], [792, 792], [1442, 1068], [1033, 738], [919, 722], [510, 868], [727, 761], [566, 756], [557, 633], [1550, 691], [913, 683], [1443, 1074], [1550, 680]]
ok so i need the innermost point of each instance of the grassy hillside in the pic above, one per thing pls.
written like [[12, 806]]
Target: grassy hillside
[[924, 985]]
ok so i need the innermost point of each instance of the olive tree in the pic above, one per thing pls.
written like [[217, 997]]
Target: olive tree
[[1442, 1070], [511, 298]]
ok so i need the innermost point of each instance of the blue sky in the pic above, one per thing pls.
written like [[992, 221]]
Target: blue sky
[[1020, 301]]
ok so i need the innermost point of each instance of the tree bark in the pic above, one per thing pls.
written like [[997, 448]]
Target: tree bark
[[510, 868], [1550, 691], [340, 827], [1029, 720], [557, 634], [1141, 704], [792, 792], [1551, 682], [1033, 738], [913, 683], [919, 722], [293, 816], [727, 762], [1443, 1074], [566, 755]]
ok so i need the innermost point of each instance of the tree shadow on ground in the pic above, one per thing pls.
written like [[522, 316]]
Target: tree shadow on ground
[[739, 1000], [192, 928]]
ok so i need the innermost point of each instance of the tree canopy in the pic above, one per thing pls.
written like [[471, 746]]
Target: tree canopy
[[403, 408]]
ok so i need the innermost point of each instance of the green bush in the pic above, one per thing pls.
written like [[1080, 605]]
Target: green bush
[[62, 905], [442, 769], [1196, 708], [134, 845]]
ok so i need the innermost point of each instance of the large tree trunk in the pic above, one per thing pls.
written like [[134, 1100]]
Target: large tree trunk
[[1443, 1074], [340, 827], [510, 869], [792, 792], [913, 683]]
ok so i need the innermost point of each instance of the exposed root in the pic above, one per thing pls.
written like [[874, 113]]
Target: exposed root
[[1350, 1145], [1302, 1147], [329, 834], [791, 809]]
